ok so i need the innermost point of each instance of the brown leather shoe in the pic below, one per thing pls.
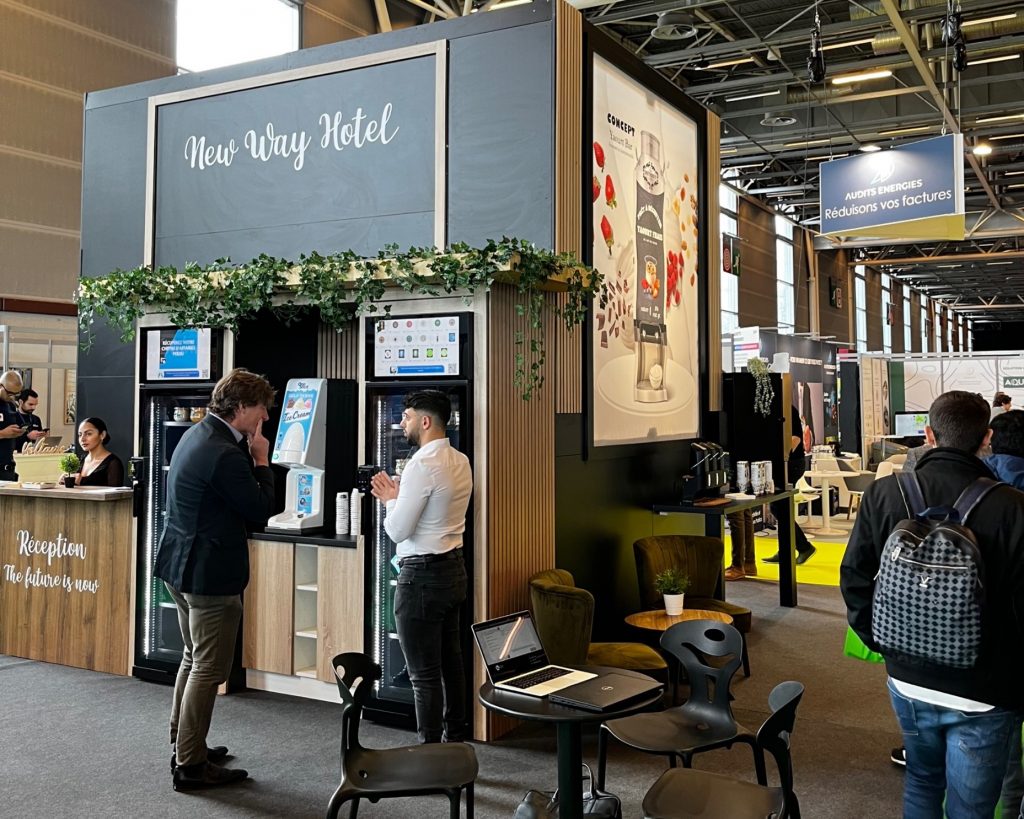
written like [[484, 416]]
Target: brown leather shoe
[[206, 775], [734, 573], [751, 570]]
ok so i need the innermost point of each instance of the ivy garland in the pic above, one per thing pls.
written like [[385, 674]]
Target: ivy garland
[[763, 390], [343, 285]]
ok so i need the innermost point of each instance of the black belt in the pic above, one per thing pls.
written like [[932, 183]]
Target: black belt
[[422, 560]]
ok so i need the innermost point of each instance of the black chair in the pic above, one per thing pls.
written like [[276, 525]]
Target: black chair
[[705, 721], [688, 794], [416, 770]]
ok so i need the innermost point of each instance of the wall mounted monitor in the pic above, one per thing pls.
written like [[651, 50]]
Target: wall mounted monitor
[[172, 354], [910, 424]]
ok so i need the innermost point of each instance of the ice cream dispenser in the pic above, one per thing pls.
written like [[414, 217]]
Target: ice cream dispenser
[[299, 445], [649, 324]]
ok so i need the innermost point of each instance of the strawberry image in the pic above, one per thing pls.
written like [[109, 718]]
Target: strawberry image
[[606, 231], [599, 155], [597, 188], [609, 192]]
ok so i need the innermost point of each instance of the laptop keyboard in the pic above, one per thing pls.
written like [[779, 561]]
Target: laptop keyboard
[[537, 677]]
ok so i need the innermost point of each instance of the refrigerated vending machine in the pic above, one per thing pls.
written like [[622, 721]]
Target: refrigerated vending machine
[[406, 353], [177, 372]]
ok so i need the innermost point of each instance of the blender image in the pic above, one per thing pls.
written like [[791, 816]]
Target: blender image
[[649, 332]]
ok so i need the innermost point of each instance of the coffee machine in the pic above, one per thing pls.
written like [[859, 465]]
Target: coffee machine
[[709, 471]]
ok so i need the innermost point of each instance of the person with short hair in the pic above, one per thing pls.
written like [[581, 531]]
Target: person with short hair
[[28, 400], [1000, 404], [101, 467], [10, 428], [426, 518], [219, 482], [956, 722]]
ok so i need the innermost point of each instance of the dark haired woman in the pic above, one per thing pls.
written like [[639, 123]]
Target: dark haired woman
[[101, 467]]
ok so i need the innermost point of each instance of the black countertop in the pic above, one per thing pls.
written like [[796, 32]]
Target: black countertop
[[313, 537]]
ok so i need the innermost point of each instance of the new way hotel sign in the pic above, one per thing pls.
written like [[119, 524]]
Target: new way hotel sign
[[915, 191]]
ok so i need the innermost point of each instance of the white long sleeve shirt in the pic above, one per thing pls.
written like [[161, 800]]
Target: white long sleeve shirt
[[429, 514]]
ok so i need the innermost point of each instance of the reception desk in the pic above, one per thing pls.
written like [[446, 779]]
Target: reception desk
[[66, 576]]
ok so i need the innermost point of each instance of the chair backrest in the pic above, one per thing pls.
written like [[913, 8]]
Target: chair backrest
[[700, 557], [355, 674], [564, 614], [845, 466], [774, 734], [897, 460], [690, 642], [804, 487], [885, 468], [858, 481]]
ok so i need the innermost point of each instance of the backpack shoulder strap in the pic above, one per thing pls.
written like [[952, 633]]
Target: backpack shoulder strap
[[973, 495], [913, 499]]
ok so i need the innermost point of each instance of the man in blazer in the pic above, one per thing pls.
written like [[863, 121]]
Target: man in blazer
[[219, 482]]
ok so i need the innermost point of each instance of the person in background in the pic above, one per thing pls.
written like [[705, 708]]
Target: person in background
[[28, 400], [1007, 464], [957, 723], [741, 531], [1001, 403], [101, 467], [795, 470], [10, 429], [426, 518], [219, 481]]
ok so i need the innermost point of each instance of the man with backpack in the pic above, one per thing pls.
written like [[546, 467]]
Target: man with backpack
[[933, 578]]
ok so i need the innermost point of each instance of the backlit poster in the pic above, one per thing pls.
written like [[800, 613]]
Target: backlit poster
[[645, 204]]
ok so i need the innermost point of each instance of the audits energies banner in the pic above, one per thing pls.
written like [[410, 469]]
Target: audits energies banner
[[645, 204]]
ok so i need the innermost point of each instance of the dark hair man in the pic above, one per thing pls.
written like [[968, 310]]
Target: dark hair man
[[1000, 404], [426, 518], [28, 400], [1007, 458], [795, 468], [219, 481], [10, 429], [956, 722]]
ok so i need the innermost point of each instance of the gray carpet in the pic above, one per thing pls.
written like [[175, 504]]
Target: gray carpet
[[83, 744]]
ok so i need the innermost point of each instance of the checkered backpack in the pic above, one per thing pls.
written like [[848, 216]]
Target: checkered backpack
[[929, 598]]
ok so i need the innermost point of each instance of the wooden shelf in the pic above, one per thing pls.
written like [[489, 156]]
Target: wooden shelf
[[307, 587], [306, 672], [309, 634]]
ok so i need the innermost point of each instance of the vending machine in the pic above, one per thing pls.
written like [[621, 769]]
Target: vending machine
[[177, 372], [406, 353], [299, 445]]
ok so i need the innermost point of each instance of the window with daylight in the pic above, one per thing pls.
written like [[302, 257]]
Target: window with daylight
[[886, 313], [949, 330], [214, 33], [860, 296], [937, 327], [907, 346], [785, 291], [730, 281], [924, 324]]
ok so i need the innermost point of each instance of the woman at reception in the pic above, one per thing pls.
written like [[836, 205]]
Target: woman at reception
[[101, 467]]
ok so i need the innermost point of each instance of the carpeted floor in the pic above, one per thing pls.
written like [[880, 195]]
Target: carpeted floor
[[83, 744]]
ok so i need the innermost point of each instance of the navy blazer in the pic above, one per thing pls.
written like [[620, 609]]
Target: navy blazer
[[213, 491]]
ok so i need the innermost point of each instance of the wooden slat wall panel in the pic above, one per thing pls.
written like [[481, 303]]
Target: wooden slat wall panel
[[801, 283], [758, 298], [568, 347], [337, 354], [520, 488], [712, 276], [915, 321]]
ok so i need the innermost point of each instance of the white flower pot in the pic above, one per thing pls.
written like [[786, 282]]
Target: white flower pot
[[673, 603]]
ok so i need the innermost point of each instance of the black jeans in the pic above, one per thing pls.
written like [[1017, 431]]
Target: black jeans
[[427, 604]]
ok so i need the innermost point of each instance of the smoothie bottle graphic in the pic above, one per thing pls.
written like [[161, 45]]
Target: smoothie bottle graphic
[[649, 325]]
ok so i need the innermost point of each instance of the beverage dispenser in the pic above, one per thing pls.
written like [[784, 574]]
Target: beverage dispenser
[[300, 445]]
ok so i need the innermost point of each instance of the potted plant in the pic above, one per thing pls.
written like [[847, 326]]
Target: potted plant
[[672, 583], [69, 463]]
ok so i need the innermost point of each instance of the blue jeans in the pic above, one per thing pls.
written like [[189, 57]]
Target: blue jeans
[[428, 599], [953, 755]]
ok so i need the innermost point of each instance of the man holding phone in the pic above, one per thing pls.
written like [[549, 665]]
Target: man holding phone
[[10, 428], [28, 400]]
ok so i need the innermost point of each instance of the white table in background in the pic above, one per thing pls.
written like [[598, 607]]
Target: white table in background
[[826, 512]]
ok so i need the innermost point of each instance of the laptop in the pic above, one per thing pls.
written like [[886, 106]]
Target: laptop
[[606, 692], [50, 440], [515, 659]]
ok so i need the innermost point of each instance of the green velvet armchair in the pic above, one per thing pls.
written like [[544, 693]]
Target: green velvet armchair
[[564, 614], [702, 558]]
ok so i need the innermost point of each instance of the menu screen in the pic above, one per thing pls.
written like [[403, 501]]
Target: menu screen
[[178, 355], [407, 346]]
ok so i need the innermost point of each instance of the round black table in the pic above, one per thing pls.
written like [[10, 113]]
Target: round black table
[[568, 722]]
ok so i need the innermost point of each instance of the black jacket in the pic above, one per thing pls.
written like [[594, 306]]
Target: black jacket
[[212, 492], [998, 523]]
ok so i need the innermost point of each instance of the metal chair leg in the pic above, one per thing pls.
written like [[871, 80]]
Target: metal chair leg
[[746, 657], [454, 803], [469, 801], [337, 800], [355, 809]]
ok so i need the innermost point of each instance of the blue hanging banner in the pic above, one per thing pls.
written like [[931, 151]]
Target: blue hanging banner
[[912, 191]]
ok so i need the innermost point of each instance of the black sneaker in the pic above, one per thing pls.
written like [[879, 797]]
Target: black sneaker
[[214, 754], [773, 559], [206, 775], [803, 557], [899, 756]]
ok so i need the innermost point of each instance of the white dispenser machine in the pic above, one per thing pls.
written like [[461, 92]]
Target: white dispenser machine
[[300, 445]]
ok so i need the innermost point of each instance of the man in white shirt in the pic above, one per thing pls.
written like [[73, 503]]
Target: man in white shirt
[[426, 518]]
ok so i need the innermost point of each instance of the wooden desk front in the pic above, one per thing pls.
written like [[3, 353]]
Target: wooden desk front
[[66, 575]]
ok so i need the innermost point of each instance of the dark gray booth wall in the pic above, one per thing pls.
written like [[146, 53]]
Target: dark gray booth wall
[[500, 169]]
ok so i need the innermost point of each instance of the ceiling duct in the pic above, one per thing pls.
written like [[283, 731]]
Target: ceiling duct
[[777, 119], [674, 25]]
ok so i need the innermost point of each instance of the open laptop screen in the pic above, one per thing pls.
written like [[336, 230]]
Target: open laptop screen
[[510, 645]]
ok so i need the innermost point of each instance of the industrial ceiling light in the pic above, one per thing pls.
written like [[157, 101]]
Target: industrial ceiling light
[[869, 148], [1002, 118], [728, 63], [981, 149], [849, 44], [993, 19], [1003, 59], [774, 93], [674, 25], [1007, 136], [846, 79], [900, 131], [777, 120]]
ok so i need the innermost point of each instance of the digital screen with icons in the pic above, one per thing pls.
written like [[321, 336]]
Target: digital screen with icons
[[410, 347]]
